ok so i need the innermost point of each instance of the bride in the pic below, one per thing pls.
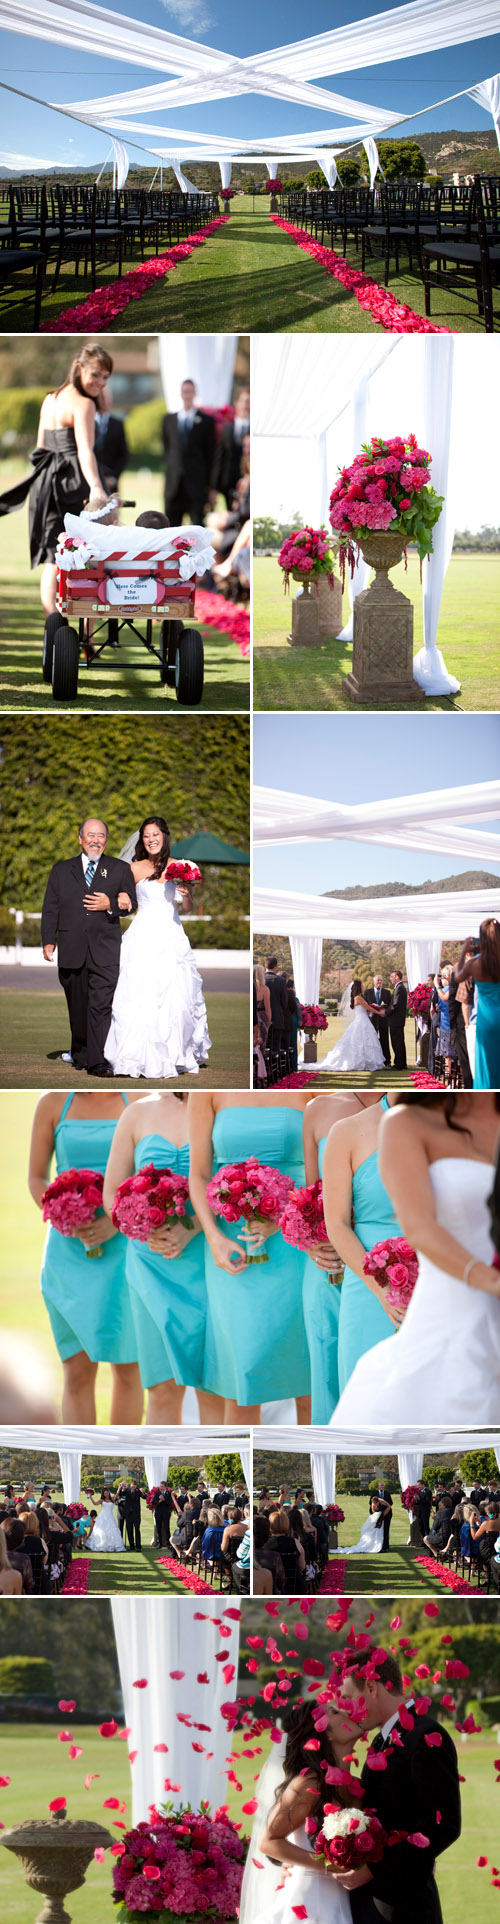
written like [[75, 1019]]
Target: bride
[[105, 1534], [359, 1046], [437, 1161], [296, 1882], [158, 1020], [372, 1534]]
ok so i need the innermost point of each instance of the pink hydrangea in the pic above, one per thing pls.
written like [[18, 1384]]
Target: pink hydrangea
[[152, 1199]]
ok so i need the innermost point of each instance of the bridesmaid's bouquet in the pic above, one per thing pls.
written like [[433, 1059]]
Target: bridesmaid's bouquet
[[350, 1838], [252, 1191], [303, 1220], [184, 873], [72, 1201], [152, 1199], [181, 1861], [394, 1265]]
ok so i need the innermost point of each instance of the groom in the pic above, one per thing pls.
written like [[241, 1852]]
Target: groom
[[81, 915], [379, 1000], [416, 1792]]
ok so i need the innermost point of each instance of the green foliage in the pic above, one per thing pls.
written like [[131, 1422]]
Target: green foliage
[[479, 1466], [316, 179], [402, 159], [144, 440], [392, 1489], [82, 1655], [187, 1473], [435, 1473], [19, 416], [227, 1468], [26, 1677], [477, 1645], [486, 1710], [348, 169], [296, 186]]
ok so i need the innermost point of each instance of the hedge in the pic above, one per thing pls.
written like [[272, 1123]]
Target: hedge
[[19, 416], [26, 1676]]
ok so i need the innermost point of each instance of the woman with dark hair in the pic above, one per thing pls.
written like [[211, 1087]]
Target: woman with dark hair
[[67, 477], [437, 1157], [283, 1831], [159, 1020], [359, 1046], [484, 970], [358, 1214]]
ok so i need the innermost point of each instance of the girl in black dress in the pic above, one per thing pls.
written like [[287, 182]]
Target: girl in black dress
[[67, 477]]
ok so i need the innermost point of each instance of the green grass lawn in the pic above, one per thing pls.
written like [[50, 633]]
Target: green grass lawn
[[310, 678], [39, 1768], [126, 680], [248, 276], [394, 1574], [35, 1029]]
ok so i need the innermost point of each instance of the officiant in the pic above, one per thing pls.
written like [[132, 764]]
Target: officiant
[[379, 1000]]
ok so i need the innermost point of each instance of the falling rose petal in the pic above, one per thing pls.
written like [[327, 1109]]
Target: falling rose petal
[[276, 1735], [151, 1872], [117, 1850], [141, 1683], [162, 1749], [91, 1778], [199, 1747], [433, 1739], [228, 1673], [258, 1867], [58, 1803], [250, 1808], [438, 1817], [417, 1838], [431, 1609], [123, 1734], [64, 1737], [312, 1744], [300, 1630], [299, 1910], [108, 1730], [75, 1750], [481, 1863], [66, 1705], [177, 1675], [111, 1803], [375, 1760], [4, 1782], [311, 1825], [99, 1854], [395, 1623], [202, 1677], [132, 1756]]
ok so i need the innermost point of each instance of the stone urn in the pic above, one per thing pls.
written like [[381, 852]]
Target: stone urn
[[306, 626], [273, 204], [334, 1537], [311, 1046], [55, 1855], [382, 663], [329, 605], [416, 1538]]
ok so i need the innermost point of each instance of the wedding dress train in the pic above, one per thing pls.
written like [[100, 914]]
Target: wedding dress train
[[105, 1534], [358, 1048], [371, 1539], [159, 1020]]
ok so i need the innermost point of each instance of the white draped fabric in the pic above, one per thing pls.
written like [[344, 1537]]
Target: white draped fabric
[[328, 164], [323, 1477], [386, 1440], [496, 1447], [410, 1466], [153, 1642], [420, 958], [124, 1441], [245, 1450], [429, 668], [71, 1465], [306, 963], [431, 820], [226, 168], [186, 186], [487, 94], [156, 1466], [207, 359], [360, 576], [378, 918], [371, 150]]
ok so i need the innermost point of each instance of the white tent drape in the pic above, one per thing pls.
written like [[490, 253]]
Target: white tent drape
[[186, 186], [386, 1440], [429, 668], [154, 1641], [432, 820], [323, 1477], [420, 958], [226, 168], [487, 94], [410, 1466], [156, 1466], [71, 1466], [245, 1450], [371, 150], [328, 164], [396, 918], [360, 577], [207, 359], [306, 963]]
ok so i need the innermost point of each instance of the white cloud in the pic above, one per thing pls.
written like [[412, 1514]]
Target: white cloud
[[189, 13]]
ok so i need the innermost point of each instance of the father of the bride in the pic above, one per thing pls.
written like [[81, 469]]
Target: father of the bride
[[81, 917]]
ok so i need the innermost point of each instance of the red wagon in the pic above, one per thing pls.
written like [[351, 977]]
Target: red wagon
[[110, 594]]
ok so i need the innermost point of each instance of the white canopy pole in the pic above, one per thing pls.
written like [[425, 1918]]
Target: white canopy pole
[[155, 1641], [71, 1470], [360, 578], [429, 667]]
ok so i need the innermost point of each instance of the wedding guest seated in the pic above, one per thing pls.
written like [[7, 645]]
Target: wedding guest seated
[[291, 1552], [182, 1537], [35, 1548], [495, 1565], [234, 1531], [322, 1531], [438, 1537], [484, 1534], [267, 1555], [241, 1568], [212, 1537], [11, 1581], [14, 1534]]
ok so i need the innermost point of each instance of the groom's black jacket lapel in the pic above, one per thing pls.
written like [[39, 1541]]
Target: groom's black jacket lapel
[[417, 1792]]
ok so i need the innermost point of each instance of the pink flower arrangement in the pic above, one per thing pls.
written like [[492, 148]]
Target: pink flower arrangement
[[387, 485], [419, 999], [303, 1220], [249, 1191], [101, 308], [152, 1199], [75, 1511], [393, 315], [152, 1493], [188, 1579], [227, 193], [394, 1266], [410, 1496], [307, 553], [274, 185], [77, 1577], [350, 1838], [333, 1513], [72, 1201], [186, 873], [312, 1016], [181, 1861]]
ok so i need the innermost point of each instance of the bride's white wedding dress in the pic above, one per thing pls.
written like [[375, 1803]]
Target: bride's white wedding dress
[[443, 1366], [358, 1048], [105, 1534], [159, 1020], [370, 1541], [324, 1901]]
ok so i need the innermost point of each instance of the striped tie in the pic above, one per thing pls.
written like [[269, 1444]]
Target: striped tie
[[90, 872]]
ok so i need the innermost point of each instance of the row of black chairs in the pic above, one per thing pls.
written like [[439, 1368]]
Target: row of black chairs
[[217, 1568], [451, 234], [89, 226], [472, 1568], [278, 1059]]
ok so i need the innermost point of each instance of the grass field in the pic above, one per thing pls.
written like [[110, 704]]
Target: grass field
[[248, 276], [129, 680], [310, 678], [31, 1756], [34, 1029]]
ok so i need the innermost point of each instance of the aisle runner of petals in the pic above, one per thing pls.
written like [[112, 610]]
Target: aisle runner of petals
[[444, 1576], [102, 307], [300, 1078], [393, 315], [229, 617], [333, 1579], [187, 1578], [77, 1577]]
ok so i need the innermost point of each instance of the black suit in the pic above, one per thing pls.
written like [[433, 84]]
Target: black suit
[[417, 1782], [189, 457], [381, 1022], [110, 447], [162, 1511], [121, 1506], [88, 946], [227, 463], [133, 1518], [387, 1524], [397, 1019], [423, 1512], [458, 1029], [278, 994]]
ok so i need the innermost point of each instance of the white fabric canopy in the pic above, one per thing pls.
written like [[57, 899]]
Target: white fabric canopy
[[449, 916], [487, 93], [226, 168], [323, 1477], [421, 958], [386, 1440], [429, 668], [71, 1464], [156, 1466], [153, 1641], [430, 820], [410, 1466], [306, 964], [206, 359], [155, 1445], [186, 186]]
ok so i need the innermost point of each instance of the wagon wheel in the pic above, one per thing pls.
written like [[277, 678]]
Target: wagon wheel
[[52, 623], [189, 665], [171, 632], [65, 664]]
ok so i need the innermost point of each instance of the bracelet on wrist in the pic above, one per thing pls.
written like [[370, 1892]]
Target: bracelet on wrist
[[472, 1264]]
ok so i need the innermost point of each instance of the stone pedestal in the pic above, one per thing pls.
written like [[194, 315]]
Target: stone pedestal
[[382, 664], [273, 204], [329, 605], [416, 1538], [310, 1051], [306, 630], [334, 1537], [55, 1856]]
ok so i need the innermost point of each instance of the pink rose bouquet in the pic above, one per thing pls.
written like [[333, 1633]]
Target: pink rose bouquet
[[419, 999], [186, 873], [152, 1199], [410, 1496], [250, 1191], [274, 185], [227, 193], [305, 555], [333, 1513], [394, 1265], [312, 1016], [75, 1511], [350, 1838], [180, 1863], [72, 1201], [387, 486]]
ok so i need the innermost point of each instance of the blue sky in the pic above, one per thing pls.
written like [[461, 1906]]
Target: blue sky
[[33, 133], [363, 758]]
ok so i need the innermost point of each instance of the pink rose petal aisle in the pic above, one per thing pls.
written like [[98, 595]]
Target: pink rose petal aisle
[[333, 1579], [103, 306], [230, 618], [444, 1576], [77, 1578], [187, 1578], [393, 315]]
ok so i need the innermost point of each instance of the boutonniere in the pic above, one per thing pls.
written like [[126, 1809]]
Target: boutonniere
[[103, 872], [197, 417]]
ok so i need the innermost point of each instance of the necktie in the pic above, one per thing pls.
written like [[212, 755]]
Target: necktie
[[90, 872], [378, 1742]]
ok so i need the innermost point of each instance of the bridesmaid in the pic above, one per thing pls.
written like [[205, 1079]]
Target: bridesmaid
[[485, 971], [256, 1349], [87, 1299], [358, 1213], [322, 1291], [166, 1277]]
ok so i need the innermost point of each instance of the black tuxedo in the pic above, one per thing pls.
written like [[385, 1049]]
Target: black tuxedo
[[162, 1511], [189, 457], [458, 1029], [133, 1518], [121, 1505], [88, 948], [227, 463], [110, 447], [278, 995], [387, 1524], [423, 1512], [397, 1019], [381, 1022], [417, 1782]]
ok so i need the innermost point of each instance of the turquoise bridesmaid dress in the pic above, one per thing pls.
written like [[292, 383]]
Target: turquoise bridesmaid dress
[[362, 1321], [487, 1057], [87, 1297], [321, 1315], [168, 1298], [256, 1348]]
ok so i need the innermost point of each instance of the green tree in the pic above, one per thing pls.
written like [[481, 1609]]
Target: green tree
[[435, 1473], [402, 159], [348, 169], [477, 1645], [26, 1677], [316, 179], [478, 1466], [226, 1468]]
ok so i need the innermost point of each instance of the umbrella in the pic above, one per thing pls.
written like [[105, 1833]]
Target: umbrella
[[205, 847]]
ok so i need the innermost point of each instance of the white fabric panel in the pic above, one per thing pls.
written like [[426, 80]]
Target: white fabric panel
[[306, 963], [124, 1441], [420, 958], [226, 168], [71, 1468], [105, 164], [186, 186], [425, 820], [323, 1477], [371, 151], [429, 668], [151, 1642], [496, 1447], [207, 359], [156, 1466], [358, 580], [399, 34], [121, 163], [387, 1440], [389, 918], [246, 1465], [328, 165], [410, 1466], [302, 393], [487, 93]]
